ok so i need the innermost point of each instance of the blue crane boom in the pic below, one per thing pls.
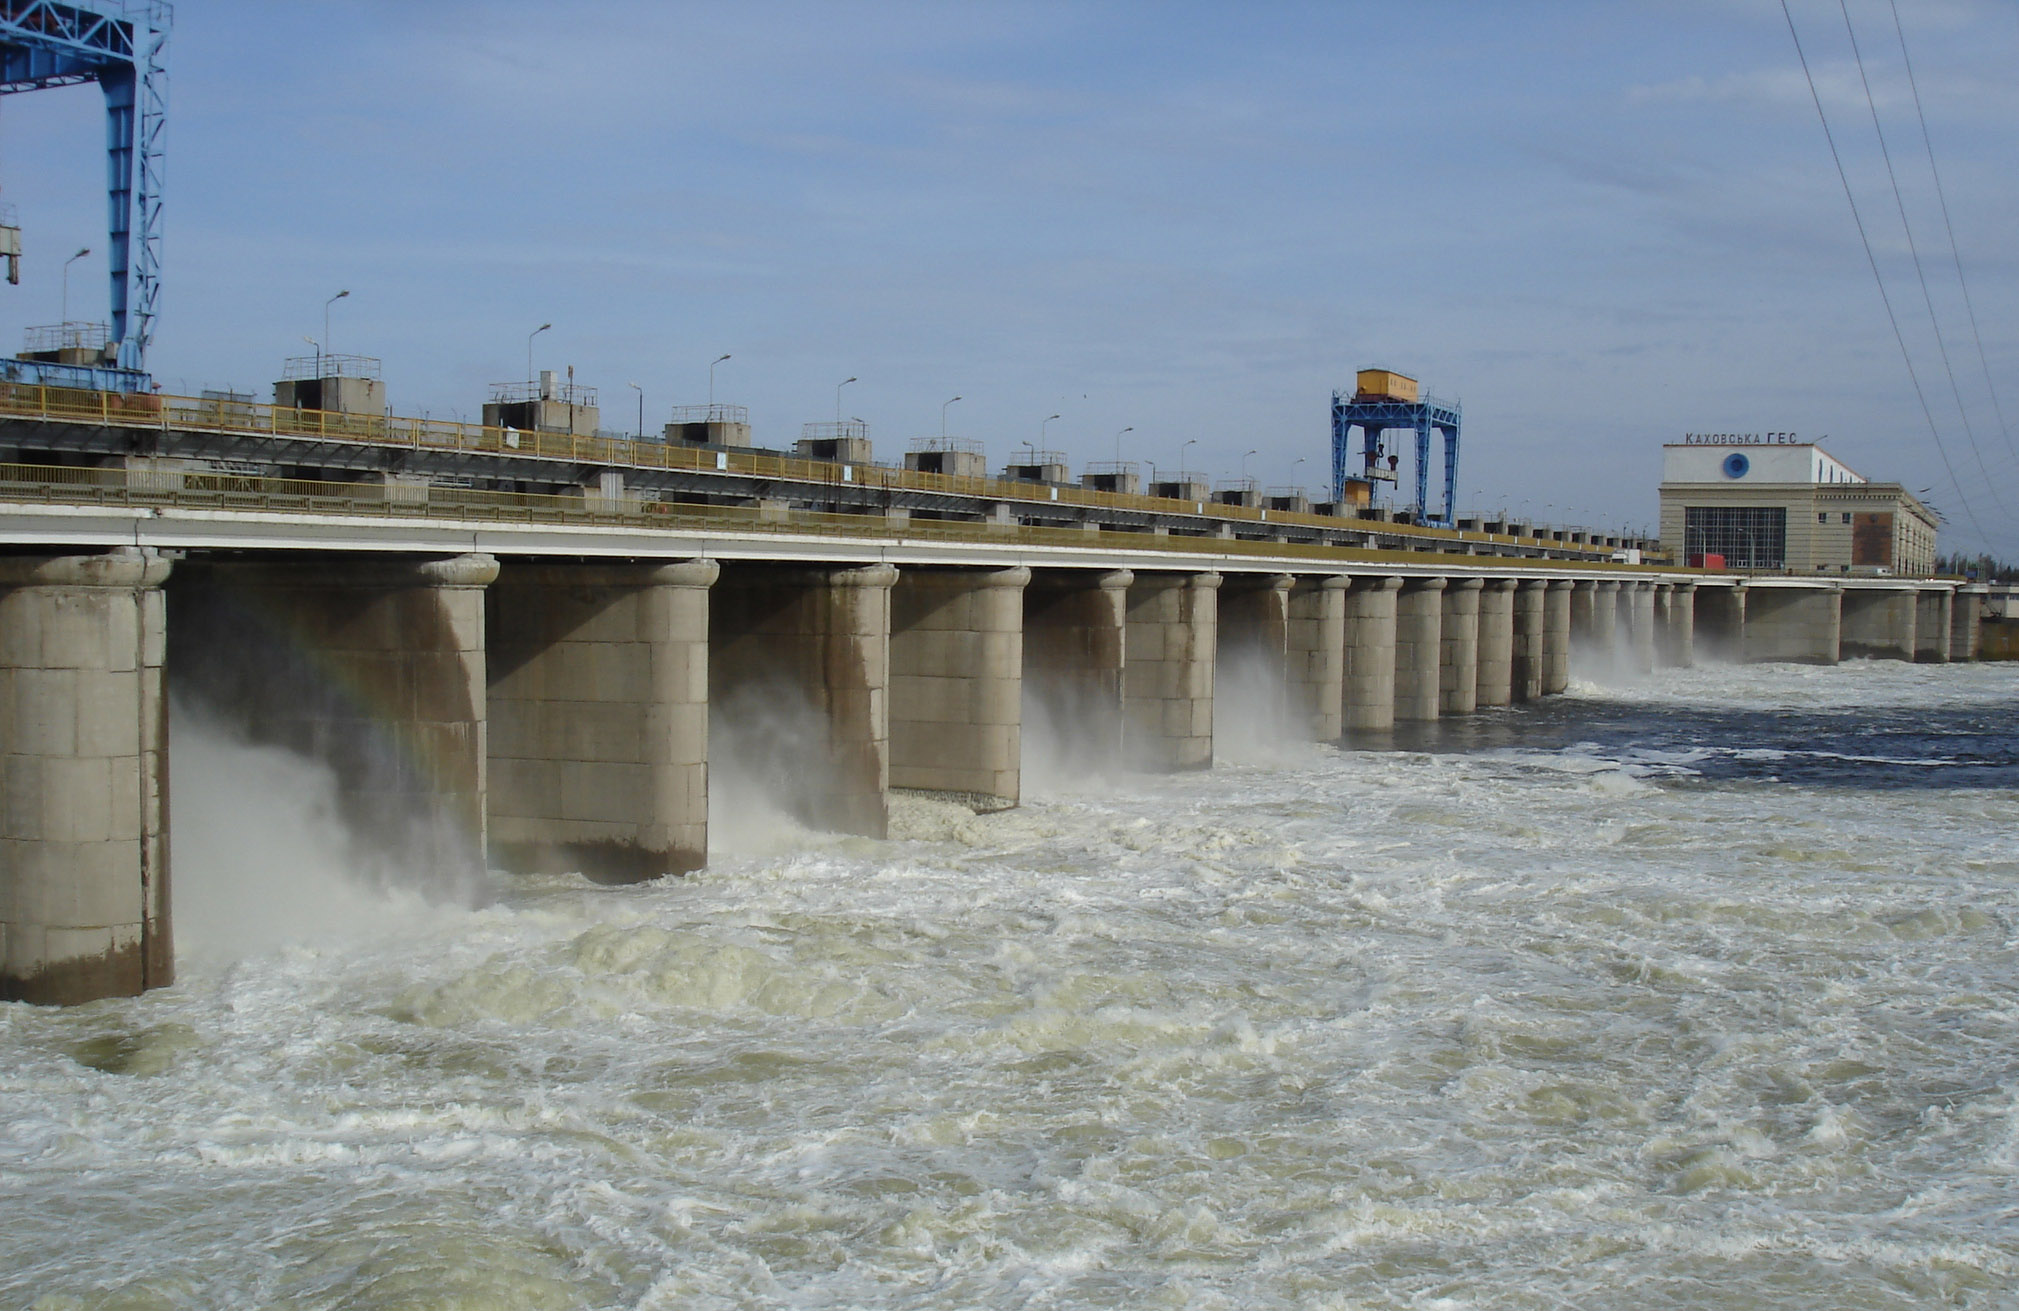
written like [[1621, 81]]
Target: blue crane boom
[[119, 45]]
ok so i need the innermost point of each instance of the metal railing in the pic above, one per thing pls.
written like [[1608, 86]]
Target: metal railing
[[311, 368], [520, 393], [154, 489], [142, 410], [711, 414], [71, 335]]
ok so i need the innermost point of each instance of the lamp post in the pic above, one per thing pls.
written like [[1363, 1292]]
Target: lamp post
[[318, 354], [325, 313], [66, 287], [1294, 475], [530, 379], [837, 403], [641, 408], [942, 418], [1118, 448], [1184, 453], [711, 383], [1244, 465], [1043, 437]]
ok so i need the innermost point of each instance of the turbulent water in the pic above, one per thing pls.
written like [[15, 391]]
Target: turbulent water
[[1702, 993]]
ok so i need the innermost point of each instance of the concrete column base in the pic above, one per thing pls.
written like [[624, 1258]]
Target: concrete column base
[[1556, 635], [1419, 630], [1368, 705], [1458, 647], [1495, 677], [1317, 668], [1966, 623], [84, 902], [956, 682], [1933, 620], [1529, 646], [1173, 634], [598, 710], [1679, 633]]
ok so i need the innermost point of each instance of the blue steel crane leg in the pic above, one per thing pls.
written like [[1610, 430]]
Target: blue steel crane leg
[[118, 82], [1370, 454], [1342, 434], [1422, 466], [1450, 473]]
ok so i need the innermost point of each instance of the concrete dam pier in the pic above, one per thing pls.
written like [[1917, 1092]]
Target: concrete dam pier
[[542, 712]]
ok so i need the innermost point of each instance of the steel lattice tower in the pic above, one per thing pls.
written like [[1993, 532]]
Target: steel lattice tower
[[118, 45], [1375, 416]]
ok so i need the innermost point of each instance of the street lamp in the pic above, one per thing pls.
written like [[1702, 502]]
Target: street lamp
[[837, 401], [641, 408], [530, 379], [1184, 452], [318, 354], [66, 280], [711, 383], [325, 313], [1294, 475], [1043, 437], [1244, 465], [942, 418], [1118, 448]]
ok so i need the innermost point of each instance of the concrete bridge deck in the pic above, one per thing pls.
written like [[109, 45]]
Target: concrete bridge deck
[[167, 443], [538, 685]]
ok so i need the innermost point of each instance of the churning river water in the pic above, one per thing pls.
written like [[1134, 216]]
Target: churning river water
[[1697, 993]]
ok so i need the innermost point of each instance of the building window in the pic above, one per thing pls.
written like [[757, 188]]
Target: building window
[[1747, 536], [1847, 516], [1822, 516]]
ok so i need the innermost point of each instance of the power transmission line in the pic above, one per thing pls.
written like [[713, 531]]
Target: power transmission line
[[1864, 237], [1954, 251], [1927, 297]]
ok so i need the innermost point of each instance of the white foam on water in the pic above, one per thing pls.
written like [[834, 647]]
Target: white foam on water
[[261, 858], [1514, 1028]]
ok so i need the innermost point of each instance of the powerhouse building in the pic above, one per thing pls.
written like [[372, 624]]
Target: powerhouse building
[[1772, 504]]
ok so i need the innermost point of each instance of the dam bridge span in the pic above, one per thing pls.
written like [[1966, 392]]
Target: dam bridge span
[[539, 685]]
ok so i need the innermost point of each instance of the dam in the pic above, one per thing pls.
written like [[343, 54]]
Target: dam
[[526, 678]]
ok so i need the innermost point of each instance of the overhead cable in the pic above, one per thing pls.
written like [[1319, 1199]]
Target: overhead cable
[[1961, 496], [1927, 297], [1954, 251]]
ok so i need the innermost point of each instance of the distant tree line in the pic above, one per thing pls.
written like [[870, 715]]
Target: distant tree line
[[1977, 568]]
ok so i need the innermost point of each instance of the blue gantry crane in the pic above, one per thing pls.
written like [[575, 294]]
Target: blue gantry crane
[[1383, 399], [118, 44]]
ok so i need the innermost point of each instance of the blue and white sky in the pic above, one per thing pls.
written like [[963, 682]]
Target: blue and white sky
[[1599, 224]]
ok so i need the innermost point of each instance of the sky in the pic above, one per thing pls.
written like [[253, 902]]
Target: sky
[[1598, 225]]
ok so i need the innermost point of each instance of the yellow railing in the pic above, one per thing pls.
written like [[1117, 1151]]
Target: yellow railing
[[53, 484], [224, 415]]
